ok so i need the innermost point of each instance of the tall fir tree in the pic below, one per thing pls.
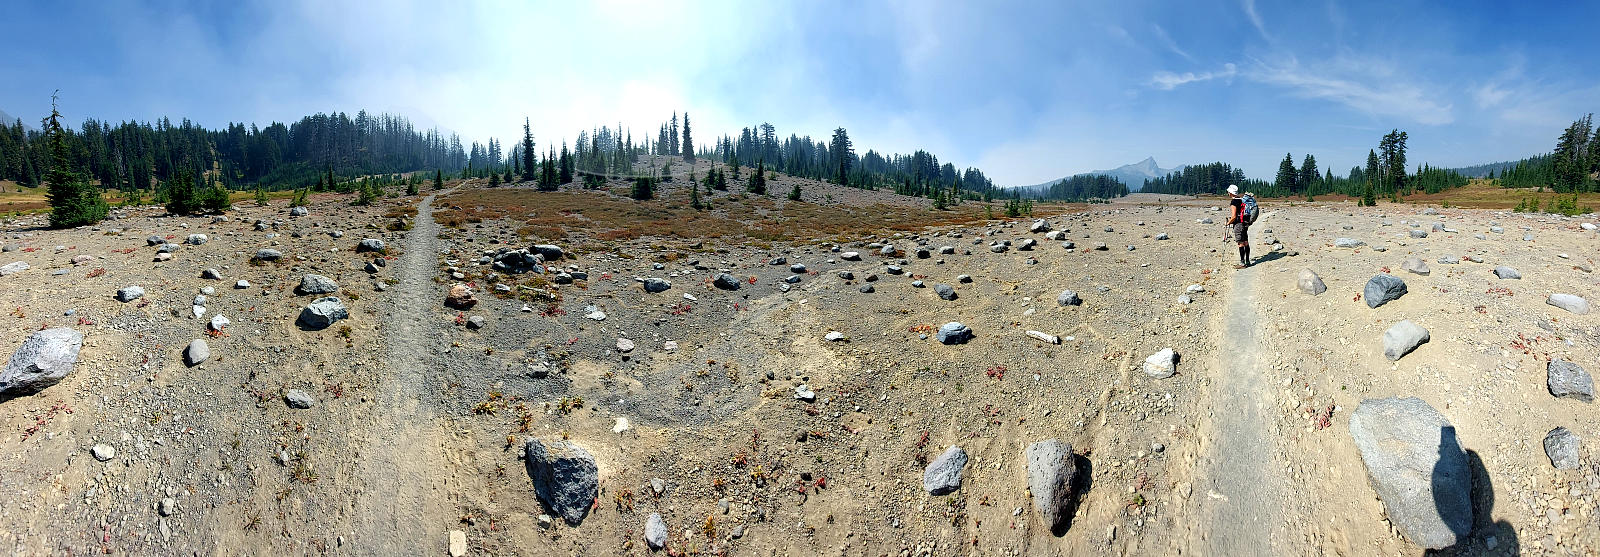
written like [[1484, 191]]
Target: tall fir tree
[[527, 150], [1309, 176], [438, 179], [73, 201], [688, 144], [1287, 175]]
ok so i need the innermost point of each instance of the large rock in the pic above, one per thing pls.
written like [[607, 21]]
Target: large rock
[[297, 211], [1348, 243], [460, 297], [15, 267], [565, 477], [655, 532], [1569, 380], [725, 281], [1383, 289], [299, 399], [549, 252], [268, 254], [945, 291], [1161, 365], [130, 293], [322, 313], [195, 239], [953, 333], [1417, 467], [43, 360], [370, 244], [1068, 298], [1506, 272], [317, 284], [1310, 283], [1051, 470], [655, 285], [943, 475], [197, 353], [1402, 338], [1040, 225], [519, 261], [1416, 266], [1561, 446], [1569, 302]]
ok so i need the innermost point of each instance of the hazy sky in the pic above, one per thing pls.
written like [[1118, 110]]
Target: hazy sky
[[1025, 91]]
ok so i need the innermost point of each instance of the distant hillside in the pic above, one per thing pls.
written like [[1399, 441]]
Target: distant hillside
[[10, 120], [1134, 175], [1483, 170]]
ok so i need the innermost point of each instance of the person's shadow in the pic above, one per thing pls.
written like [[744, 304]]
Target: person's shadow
[[1482, 535]]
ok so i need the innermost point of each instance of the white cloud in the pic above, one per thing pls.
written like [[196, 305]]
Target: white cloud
[[1167, 81], [1389, 96], [1255, 18], [1171, 44]]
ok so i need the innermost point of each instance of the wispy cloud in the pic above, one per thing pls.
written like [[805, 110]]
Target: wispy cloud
[[1171, 44], [1255, 18], [1167, 81], [1389, 96]]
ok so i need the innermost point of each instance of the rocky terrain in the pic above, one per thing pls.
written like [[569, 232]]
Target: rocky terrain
[[500, 371]]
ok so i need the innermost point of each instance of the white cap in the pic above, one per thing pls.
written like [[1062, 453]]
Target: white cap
[[1233, 189]]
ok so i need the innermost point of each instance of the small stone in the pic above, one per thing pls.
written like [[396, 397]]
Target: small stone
[[1309, 283], [945, 291], [1051, 470], [725, 281], [130, 293], [1161, 365], [458, 543], [1569, 302], [624, 345], [316, 284], [370, 245], [655, 532], [103, 452], [1569, 380], [297, 398], [1068, 298], [943, 475], [1402, 338], [833, 336], [1383, 289], [196, 353], [1561, 446], [1506, 272], [1416, 266], [954, 333]]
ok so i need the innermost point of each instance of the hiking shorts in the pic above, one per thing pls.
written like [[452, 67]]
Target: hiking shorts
[[1241, 232]]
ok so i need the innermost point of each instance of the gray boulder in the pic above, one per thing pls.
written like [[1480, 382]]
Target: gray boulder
[[954, 333], [1569, 380], [549, 252], [1569, 302], [655, 285], [195, 239], [655, 532], [297, 211], [299, 399], [1419, 234], [197, 352], [154, 240], [1506, 272], [943, 475], [1561, 446], [1161, 365], [945, 291], [317, 284], [1383, 289], [1416, 266], [565, 477], [130, 293], [43, 360], [1040, 225], [1051, 470], [1348, 243], [11, 268], [370, 244], [798, 268], [322, 313], [725, 281], [1068, 298], [268, 254], [1417, 467], [1310, 283], [1402, 338], [211, 274]]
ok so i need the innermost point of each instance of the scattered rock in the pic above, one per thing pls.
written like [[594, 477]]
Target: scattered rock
[[1569, 302], [1161, 365], [1506, 272], [565, 478], [1383, 289], [549, 252], [943, 475], [1051, 469], [1569, 380], [197, 352], [297, 211], [13, 268], [297, 398], [458, 543], [1348, 243], [317, 284], [1416, 265], [1561, 446], [1068, 298], [1310, 283], [195, 239], [322, 313], [725, 281], [460, 297], [656, 285], [1040, 225], [1418, 468], [103, 452], [624, 345], [945, 291], [1402, 338], [268, 254], [655, 532], [954, 333], [44, 359], [370, 244], [130, 293], [1044, 337]]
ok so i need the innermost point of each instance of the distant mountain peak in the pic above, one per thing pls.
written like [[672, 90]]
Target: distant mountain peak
[[1134, 175], [9, 120]]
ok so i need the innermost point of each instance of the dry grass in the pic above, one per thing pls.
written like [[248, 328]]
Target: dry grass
[[1481, 194], [605, 216]]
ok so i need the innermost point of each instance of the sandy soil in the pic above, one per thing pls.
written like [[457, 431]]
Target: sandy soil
[[420, 419]]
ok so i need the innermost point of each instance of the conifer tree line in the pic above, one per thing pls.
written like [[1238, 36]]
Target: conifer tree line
[[1570, 168], [1085, 188]]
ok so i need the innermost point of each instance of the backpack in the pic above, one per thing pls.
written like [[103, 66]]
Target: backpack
[[1251, 210]]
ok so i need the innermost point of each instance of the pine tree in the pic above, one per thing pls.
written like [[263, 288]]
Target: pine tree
[[494, 179], [565, 165], [688, 144], [527, 150], [438, 179], [643, 188], [73, 201], [261, 196], [794, 194], [694, 196], [1309, 176], [758, 179], [1287, 175], [412, 185]]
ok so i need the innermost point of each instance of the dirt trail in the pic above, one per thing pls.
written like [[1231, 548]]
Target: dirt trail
[[402, 462], [1241, 493]]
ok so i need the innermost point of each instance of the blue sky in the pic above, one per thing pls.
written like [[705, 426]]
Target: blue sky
[[1027, 91]]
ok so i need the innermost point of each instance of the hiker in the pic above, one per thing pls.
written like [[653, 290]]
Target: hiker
[[1243, 215]]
